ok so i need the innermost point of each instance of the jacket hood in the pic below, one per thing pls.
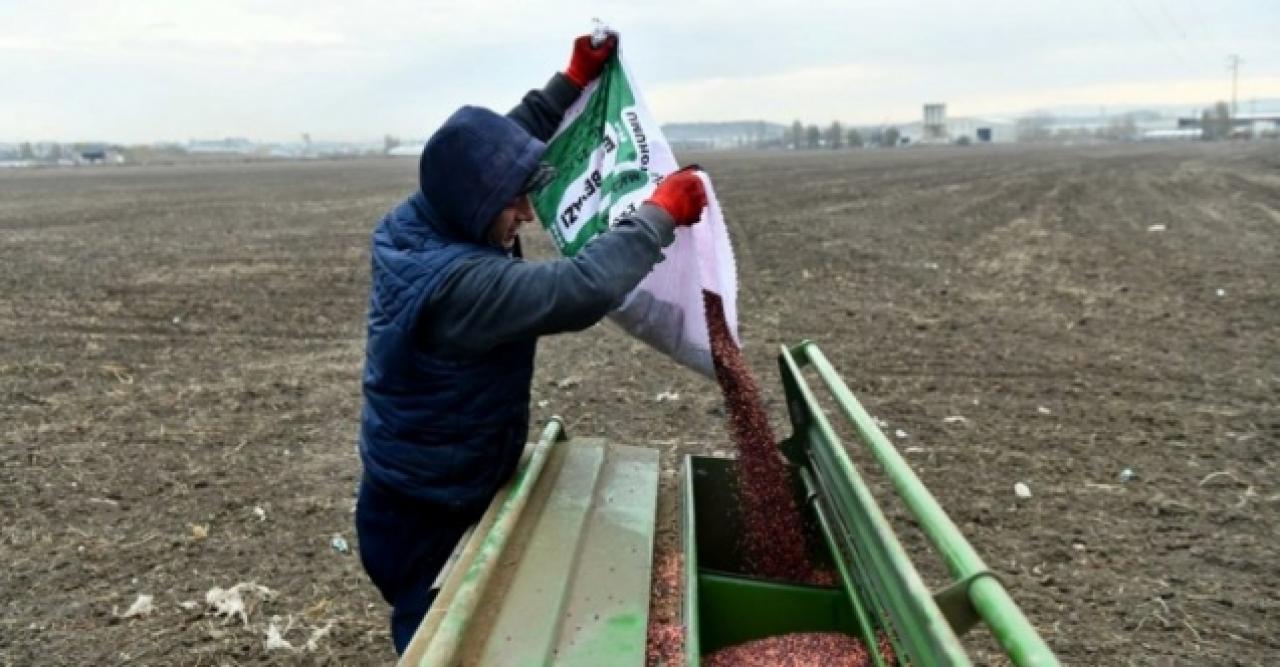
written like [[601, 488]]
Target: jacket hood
[[475, 164]]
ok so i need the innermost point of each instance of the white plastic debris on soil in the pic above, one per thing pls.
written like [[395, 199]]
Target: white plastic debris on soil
[[313, 642], [275, 636], [229, 603], [316, 635], [143, 606]]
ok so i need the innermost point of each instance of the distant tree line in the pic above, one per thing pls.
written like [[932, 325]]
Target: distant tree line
[[1039, 128], [1215, 124], [836, 137]]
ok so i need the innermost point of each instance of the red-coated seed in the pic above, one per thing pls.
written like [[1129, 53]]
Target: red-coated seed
[[665, 646], [773, 535], [816, 649]]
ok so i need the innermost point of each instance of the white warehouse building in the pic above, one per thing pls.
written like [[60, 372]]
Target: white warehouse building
[[939, 128], [976, 130]]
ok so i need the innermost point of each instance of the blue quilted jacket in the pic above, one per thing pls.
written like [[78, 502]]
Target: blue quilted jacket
[[445, 428]]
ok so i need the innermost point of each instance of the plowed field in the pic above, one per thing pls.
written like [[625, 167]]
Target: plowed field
[[180, 350]]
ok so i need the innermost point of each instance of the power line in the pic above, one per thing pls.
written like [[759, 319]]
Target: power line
[[1142, 18], [1177, 29], [1199, 19]]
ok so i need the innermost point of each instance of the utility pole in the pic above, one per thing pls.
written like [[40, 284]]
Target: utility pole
[[1233, 62]]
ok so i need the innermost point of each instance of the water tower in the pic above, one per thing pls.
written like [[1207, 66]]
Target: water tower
[[935, 122]]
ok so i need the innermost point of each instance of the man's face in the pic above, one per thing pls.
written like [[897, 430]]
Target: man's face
[[505, 226]]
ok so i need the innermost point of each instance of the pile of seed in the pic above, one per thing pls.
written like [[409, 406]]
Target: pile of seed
[[773, 534], [815, 649], [665, 644]]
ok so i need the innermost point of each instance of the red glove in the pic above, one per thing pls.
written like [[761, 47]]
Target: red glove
[[682, 196], [586, 62]]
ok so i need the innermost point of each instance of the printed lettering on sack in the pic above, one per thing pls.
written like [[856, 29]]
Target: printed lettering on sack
[[612, 185]]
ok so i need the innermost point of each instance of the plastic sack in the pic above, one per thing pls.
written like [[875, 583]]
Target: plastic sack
[[609, 155]]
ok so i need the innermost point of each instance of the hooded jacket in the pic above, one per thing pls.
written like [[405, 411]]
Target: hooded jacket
[[453, 322]]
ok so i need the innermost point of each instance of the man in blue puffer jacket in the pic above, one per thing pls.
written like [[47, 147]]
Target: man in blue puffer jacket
[[454, 317]]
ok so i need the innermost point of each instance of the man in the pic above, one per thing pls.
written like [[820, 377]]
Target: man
[[454, 317]]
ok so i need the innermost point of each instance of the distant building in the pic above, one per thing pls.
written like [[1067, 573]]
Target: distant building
[[1183, 134], [292, 151], [943, 129], [732, 134], [1258, 124], [406, 150], [228, 146], [935, 124]]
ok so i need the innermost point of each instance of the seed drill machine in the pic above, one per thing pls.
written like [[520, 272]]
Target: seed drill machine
[[558, 571]]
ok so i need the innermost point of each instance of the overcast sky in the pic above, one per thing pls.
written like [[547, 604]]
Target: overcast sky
[[137, 71]]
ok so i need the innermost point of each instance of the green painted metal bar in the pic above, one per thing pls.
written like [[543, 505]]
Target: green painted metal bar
[[453, 624], [1011, 628], [692, 647], [884, 568], [866, 627]]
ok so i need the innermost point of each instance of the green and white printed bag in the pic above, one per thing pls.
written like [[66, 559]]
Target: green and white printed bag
[[609, 155]]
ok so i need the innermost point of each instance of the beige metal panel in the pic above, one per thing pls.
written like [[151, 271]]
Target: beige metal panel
[[570, 582]]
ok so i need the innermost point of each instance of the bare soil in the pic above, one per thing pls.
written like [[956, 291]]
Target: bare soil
[[181, 347]]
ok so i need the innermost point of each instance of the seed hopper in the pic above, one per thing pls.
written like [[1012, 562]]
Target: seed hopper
[[558, 570]]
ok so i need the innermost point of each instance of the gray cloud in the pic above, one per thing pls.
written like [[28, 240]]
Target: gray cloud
[[134, 70]]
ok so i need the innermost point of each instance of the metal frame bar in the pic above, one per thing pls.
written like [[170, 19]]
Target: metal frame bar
[[866, 626], [689, 530], [877, 572], [445, 628], [814, 436]]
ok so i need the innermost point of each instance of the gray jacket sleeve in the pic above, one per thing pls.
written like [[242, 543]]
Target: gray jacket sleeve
[[487, 301], [541, 111]]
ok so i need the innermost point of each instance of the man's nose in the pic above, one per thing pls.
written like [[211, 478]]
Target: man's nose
[[524, 210]]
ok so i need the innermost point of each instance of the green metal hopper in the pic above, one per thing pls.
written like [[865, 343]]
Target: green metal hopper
[[558, 570], [880, 588]]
